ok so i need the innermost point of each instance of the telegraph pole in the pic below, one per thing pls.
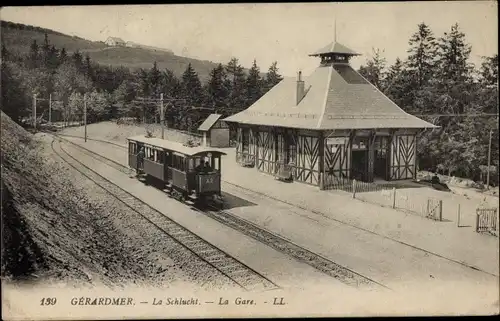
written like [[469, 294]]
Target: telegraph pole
[[50, 108], [489, 161], [34, 111], [162, 120], [85, 114], [160, 100]]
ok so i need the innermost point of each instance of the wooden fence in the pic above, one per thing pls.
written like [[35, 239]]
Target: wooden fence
[[387, 195], [486, 220]]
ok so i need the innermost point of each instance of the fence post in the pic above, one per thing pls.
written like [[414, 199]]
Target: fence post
[[428, 206], [477, 221], [353, 188], [497, 221], [394, 197], [440, 210], [458, 220]]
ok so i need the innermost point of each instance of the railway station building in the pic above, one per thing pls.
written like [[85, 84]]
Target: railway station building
[[328, 127]]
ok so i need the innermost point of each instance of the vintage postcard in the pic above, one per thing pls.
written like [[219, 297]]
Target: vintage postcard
[[250, 160]]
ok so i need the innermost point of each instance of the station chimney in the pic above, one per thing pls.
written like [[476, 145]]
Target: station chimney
[[300, 88]]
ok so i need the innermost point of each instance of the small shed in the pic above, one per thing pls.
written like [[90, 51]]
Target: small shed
[[215, 131]]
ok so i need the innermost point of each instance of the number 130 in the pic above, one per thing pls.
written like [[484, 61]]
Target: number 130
[[48, 301]]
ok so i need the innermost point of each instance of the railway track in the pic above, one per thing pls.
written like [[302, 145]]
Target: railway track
[[327, 217], [236, 271], [266, 237]]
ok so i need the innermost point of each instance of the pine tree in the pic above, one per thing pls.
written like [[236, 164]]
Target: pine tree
[[489, 71], [45, 51], [451, 92], [454, 81], [191, 87], [422, 53], [154, 79], [63, 56], [88, 69], [254, 84], [237, 78], [273, 77], [53, 59], [13, 102], [397, 85], [218, 89], [171, 85], [453, 55], [33, 57], [374, 69], [143, 82], [77, 60]]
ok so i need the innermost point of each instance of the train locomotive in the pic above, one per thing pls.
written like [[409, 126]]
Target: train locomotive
[[189, 174]]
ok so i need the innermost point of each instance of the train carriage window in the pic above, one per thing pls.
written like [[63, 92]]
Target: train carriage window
[[178, 162], [216, 164], [160, 157]]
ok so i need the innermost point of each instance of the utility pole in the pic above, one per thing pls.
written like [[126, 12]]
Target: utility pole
[[85, 114], [489, 161], [34, 111], [162, 120], [50, 108]]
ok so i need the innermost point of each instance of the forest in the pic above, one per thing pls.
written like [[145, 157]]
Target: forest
[[435, 81]]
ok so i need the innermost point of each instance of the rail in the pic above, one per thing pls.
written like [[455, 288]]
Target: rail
[[241, 274]]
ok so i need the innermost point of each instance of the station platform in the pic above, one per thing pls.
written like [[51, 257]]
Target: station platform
[[328, 211], [461, 244]]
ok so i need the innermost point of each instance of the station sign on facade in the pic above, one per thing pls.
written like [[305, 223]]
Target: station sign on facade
[[333, 142], [336, 141]]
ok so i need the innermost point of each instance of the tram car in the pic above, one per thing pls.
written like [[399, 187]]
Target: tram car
[[189, 174]]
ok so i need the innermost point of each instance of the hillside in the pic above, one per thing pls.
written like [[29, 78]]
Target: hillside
[[135, 58], [56, 227], [18, 38], [51, 230]]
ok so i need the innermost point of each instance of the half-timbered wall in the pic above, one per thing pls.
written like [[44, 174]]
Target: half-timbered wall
[[245, 144], [337, 160], [403, 157], [266, 151], [307, 159], [281, 147]]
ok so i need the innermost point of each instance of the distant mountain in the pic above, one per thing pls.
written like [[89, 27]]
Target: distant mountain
[[18, 38]]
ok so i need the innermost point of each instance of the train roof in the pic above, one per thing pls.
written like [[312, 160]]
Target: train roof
[[174, 146]]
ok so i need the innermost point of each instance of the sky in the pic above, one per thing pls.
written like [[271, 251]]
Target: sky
[[281, 32]]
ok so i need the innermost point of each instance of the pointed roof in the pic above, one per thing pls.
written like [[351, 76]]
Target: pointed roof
[[335, 47], [337, 97]]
